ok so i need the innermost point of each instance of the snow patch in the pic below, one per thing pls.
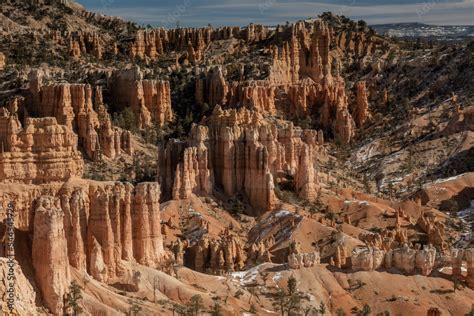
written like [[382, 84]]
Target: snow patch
[[246, 277], [448, 179], [282, 213]]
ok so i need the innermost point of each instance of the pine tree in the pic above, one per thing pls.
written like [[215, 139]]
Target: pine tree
[[322, 309], [73, 298], [280, 302], [195, 304], [366, 310], [216, 308], [294, 298], [340, 312]]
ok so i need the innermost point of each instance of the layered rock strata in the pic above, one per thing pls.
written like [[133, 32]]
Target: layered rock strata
[[303, 81], [361, 111], [241, 153], [111, 222], [405, 259], [218, 255], [303, 260], [41, 151], [49, 253], [154, 43], [94, 227], [81, 108], [150, 100]]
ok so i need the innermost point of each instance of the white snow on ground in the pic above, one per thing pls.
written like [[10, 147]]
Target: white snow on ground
[[468, 234], [267, 311], [356, 201], [277, 277], [282, 213], [447, 179], [246, 277], [463, 269]]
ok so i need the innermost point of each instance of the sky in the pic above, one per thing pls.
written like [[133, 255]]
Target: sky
[[170, 13]]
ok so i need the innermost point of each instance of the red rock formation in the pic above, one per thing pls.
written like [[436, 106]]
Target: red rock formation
[[405, 259], [81, 43], [301, 83], [258, 95], [240, 152], [107, 223], [42, 151], [153, 43], [306, 178], [218, 255], [150, 100], [361, 111], [433, 228], [367, 259], [193, 175], [146, 229], [305, 63], [73, 105], [49, 254], [469, 255], [303, 260], [212, 87], [3, 61]]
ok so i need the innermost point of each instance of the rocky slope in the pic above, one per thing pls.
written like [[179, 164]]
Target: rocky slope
[[154, 171]]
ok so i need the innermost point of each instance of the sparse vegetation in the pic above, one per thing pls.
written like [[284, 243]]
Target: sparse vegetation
[[73, 299]]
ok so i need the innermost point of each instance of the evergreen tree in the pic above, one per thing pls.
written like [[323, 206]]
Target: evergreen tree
[[216, 308], [73, 298], [322, 309], [134, 309], [195, 305]]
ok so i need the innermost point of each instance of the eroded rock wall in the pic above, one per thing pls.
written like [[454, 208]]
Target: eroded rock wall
[[241, 153], [42, 151]]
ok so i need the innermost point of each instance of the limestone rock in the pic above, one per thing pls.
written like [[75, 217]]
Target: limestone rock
[[259, 95], [212, 87], [150, 44], [41, 151], [425, 260], [108, 223], [242, 153], [361, 111], [469, 255], [146, 230], [74, 105], [49, 253], [150, 100], [219, 255], [433, 228], [367, 259], [303, 260], [3, 61]]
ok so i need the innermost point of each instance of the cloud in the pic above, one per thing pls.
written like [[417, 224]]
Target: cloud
[[225, 12]]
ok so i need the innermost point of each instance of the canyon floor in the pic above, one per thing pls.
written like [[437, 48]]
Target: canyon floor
[[312, 168]]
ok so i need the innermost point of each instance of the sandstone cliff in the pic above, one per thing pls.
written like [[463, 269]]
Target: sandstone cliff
[[79, 107], [238, 151], [150, 100], [50, 257], [41, 151]]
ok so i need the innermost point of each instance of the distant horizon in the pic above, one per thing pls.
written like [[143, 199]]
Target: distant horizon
[[200, 13]]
